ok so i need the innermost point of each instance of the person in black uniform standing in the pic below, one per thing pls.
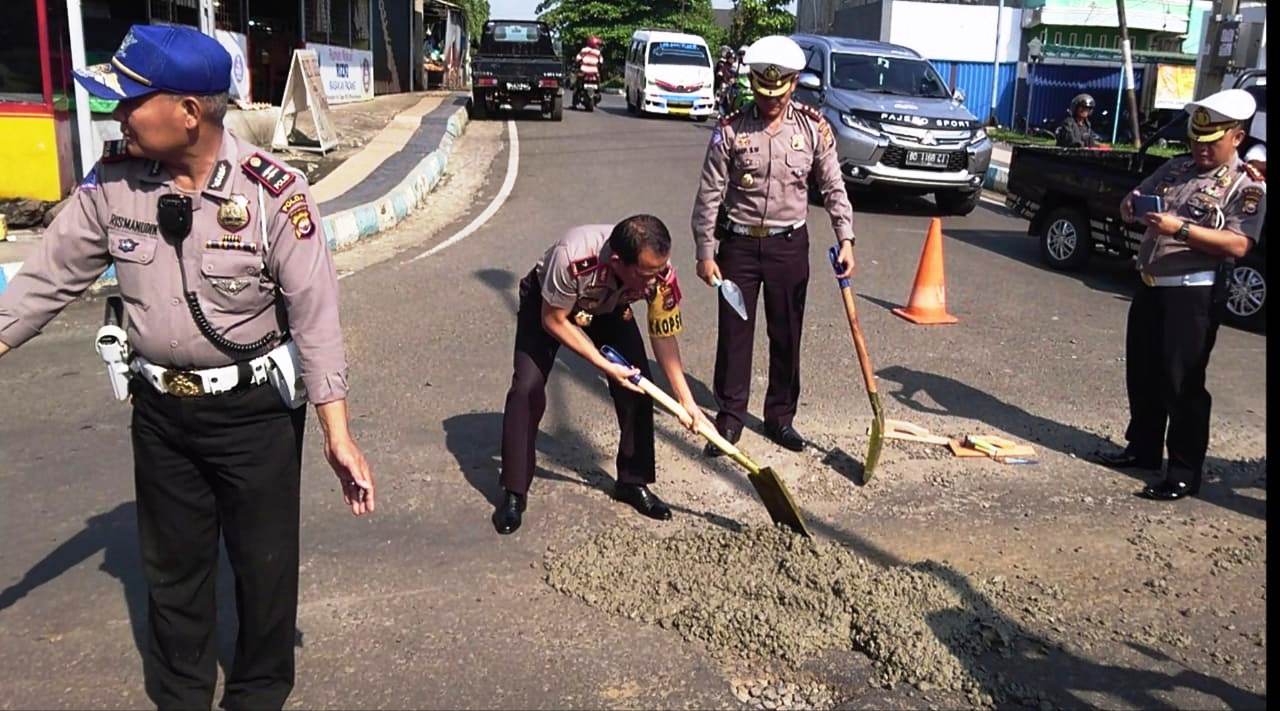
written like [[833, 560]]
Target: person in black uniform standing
[[1214, 205]]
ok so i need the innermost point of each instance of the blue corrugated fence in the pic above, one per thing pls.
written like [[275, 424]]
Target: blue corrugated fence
[[975, 79], [1052, 86]]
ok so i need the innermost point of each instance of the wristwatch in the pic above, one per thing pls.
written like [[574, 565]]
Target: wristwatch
[[1183, 232]]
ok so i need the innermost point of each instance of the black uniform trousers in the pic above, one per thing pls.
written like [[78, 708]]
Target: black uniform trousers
[[1170, 335], [228, 464], [781, 265], [535, 353]]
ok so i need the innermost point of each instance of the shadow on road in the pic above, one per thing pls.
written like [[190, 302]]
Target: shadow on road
[[1106, 273], [957, 399], [114, 534]]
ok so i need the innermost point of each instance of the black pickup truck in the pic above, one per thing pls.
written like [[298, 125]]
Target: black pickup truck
[[1072, 198], [518, 64]]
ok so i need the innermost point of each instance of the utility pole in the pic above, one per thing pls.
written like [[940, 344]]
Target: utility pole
[[994, 118], [1126, 52]]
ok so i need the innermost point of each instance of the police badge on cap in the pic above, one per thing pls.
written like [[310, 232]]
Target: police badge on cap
[[1214, 115], [774, 62]]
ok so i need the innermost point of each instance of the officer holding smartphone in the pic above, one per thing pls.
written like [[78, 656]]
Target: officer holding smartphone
[[1212, 212]]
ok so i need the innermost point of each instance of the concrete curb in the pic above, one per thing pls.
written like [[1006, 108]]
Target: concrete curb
[[356, 223], [353, 224], [997, 178]]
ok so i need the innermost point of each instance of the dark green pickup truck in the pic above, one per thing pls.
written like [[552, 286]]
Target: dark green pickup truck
[[1072, 198]]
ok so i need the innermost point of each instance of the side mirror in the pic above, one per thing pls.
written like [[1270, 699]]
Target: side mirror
[[810, 81], [958, 95]]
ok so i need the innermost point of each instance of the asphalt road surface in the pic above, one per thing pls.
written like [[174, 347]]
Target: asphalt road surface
[[423, 605]]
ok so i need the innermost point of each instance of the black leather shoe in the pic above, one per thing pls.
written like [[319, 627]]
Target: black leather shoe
[[1169, 491], [508, 516], [713, 451], [643, 500], [1123, 460], [785, 436]]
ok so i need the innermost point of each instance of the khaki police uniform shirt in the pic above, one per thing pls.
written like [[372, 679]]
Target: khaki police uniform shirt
[[245, 290], [576, 276], [762, 178], [1196, 196]]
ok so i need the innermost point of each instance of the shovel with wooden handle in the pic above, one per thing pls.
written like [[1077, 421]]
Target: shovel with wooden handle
[[769, 486], [868, 375]]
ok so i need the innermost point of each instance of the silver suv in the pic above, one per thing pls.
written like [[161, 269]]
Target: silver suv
[[896, 122]]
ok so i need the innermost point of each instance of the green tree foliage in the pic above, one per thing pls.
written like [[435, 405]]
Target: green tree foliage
[[614, 22], [753, 19], [477, 12]]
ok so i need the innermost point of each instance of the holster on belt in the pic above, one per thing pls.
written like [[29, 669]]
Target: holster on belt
[[112, 345]]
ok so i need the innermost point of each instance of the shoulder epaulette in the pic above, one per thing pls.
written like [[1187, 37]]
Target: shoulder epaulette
[[578, 267], [1254, 174], [725, 121], [273, 176], [809, 111], [115, 151]]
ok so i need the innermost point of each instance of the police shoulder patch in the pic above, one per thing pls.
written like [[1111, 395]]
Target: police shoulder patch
[[272, 175], [115, 151], [1250, 197]]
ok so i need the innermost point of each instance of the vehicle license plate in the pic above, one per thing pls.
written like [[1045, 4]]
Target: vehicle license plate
[[517, 86], [926, 159]]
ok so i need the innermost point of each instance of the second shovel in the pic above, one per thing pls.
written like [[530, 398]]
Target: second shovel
[[732, 296], [868, 375]]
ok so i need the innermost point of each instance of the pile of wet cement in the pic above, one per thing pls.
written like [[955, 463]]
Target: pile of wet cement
[[766, 593]]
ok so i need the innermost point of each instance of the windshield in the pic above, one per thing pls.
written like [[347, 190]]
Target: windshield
[[682, 53], [887, 75], [525, 39]]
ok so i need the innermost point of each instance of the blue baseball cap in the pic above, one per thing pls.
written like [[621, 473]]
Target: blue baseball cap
[[170, 58]]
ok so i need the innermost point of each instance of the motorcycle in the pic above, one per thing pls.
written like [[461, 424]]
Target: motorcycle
[[587, 92]]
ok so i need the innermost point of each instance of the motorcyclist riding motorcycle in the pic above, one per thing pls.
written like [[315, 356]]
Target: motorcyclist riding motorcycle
[[589, 64], [726, 66], [1076, 131]]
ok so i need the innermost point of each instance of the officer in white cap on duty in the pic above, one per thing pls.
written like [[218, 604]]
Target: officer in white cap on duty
[[1214, 205], [749, 227]]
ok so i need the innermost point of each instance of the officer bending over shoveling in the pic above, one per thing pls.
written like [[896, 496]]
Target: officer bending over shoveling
[[579, 295]]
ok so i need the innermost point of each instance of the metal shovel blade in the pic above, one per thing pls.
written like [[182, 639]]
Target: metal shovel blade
[[877, 438], [733, 296], [777, 500]]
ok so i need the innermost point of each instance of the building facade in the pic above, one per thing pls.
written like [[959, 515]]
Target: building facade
[[365, 47]]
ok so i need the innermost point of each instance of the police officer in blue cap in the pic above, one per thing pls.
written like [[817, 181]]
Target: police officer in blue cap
[[232, 302]]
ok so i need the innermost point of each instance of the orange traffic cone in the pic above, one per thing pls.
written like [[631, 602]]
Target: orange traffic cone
[[928, 304]]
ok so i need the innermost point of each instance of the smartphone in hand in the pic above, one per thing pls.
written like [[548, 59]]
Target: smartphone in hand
[[1142, 204]]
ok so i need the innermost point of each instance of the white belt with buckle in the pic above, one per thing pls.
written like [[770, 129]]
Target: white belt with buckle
[[192, 383], [761, 230], [1205, 278]]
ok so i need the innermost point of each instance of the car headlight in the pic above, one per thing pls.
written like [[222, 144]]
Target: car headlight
[[979, 136], [859, 124]]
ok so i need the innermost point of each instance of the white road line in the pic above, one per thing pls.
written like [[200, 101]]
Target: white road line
[[513, 169]]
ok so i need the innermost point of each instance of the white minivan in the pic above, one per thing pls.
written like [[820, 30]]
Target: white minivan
[[669, 73]]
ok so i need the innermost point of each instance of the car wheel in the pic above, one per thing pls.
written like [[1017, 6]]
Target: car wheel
[[1065, 241], [557, 109], [1247, 294], [957, 202], [631, 105]]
